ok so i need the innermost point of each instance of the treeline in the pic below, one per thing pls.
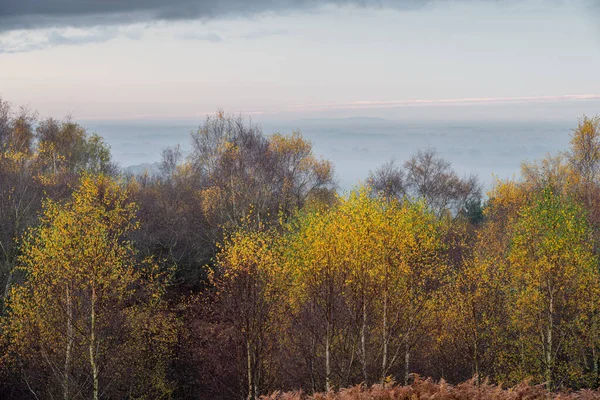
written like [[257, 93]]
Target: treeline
[[237, 270]]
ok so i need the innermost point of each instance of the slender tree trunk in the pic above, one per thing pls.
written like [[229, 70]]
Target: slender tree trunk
[[8, 282], [363, 342], [384, 336], [67, 367], [327, 357], [589, 193], [233, 200], [328, 333], [407, 362], [313, 347], [93, 361], [595, 365], [9, 268], [476, 360], [6, 291], [475, 344], [522, 356], [250, 370], [594, 341], [549, 343], [594, 332], [256, 376]]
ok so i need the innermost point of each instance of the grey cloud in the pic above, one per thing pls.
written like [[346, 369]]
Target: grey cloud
[[31, 14], [55, 38]]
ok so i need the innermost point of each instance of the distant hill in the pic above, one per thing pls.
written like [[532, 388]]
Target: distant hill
[[139, 169], [350, 119]]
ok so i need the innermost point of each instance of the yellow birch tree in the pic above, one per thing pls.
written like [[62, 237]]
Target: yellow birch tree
[[88, 321]]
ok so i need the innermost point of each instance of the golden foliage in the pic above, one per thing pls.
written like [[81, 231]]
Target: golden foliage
[[85, 290]]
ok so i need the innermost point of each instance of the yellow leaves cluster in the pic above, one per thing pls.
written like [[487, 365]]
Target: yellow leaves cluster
[[298, 152], [364, 239], [361, 243], [585, 142], [211, 200], [79, 245], [248, 252], [528, 293], [79, 263], [290, 144], [505, 200], [550, 257], [228, 148]]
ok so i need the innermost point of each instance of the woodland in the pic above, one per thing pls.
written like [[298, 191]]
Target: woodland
[[240, 271]]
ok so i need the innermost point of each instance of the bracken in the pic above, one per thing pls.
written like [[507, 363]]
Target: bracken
[[427, 389]]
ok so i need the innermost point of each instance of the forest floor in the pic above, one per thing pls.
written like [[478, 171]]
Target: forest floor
[[427, 389]]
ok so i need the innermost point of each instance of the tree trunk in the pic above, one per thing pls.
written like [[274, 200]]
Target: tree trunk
[[522, 356], [327, 358], [250, 370], [475, 345], [328, 333], [407, 362], [363, 342], [384, 335], [595, 365], [9, 278], [67, 367], [313, 346], [93, 362], [476, 360], [7, 286], [549, 343]]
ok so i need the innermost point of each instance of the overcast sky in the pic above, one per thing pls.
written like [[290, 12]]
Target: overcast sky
[[295, 59]]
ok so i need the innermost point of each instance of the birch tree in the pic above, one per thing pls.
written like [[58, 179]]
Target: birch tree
[[87, 316]]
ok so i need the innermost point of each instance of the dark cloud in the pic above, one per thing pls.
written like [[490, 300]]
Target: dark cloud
[[30, 14]]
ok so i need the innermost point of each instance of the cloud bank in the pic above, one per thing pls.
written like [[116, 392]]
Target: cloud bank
[[102, 17], [32, 14]]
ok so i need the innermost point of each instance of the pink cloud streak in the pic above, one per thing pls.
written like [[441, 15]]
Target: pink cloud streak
[[442, 102]]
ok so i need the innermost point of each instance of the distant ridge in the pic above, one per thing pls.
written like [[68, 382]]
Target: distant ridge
[[140, 169], [353, 119]]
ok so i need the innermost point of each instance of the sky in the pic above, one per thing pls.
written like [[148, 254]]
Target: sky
[[182, 59]]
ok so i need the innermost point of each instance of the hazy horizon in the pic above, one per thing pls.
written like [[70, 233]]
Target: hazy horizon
[[144, 73], [487, 148]]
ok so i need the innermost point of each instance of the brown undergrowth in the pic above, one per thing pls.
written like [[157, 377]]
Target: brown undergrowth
[[427, 389]]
